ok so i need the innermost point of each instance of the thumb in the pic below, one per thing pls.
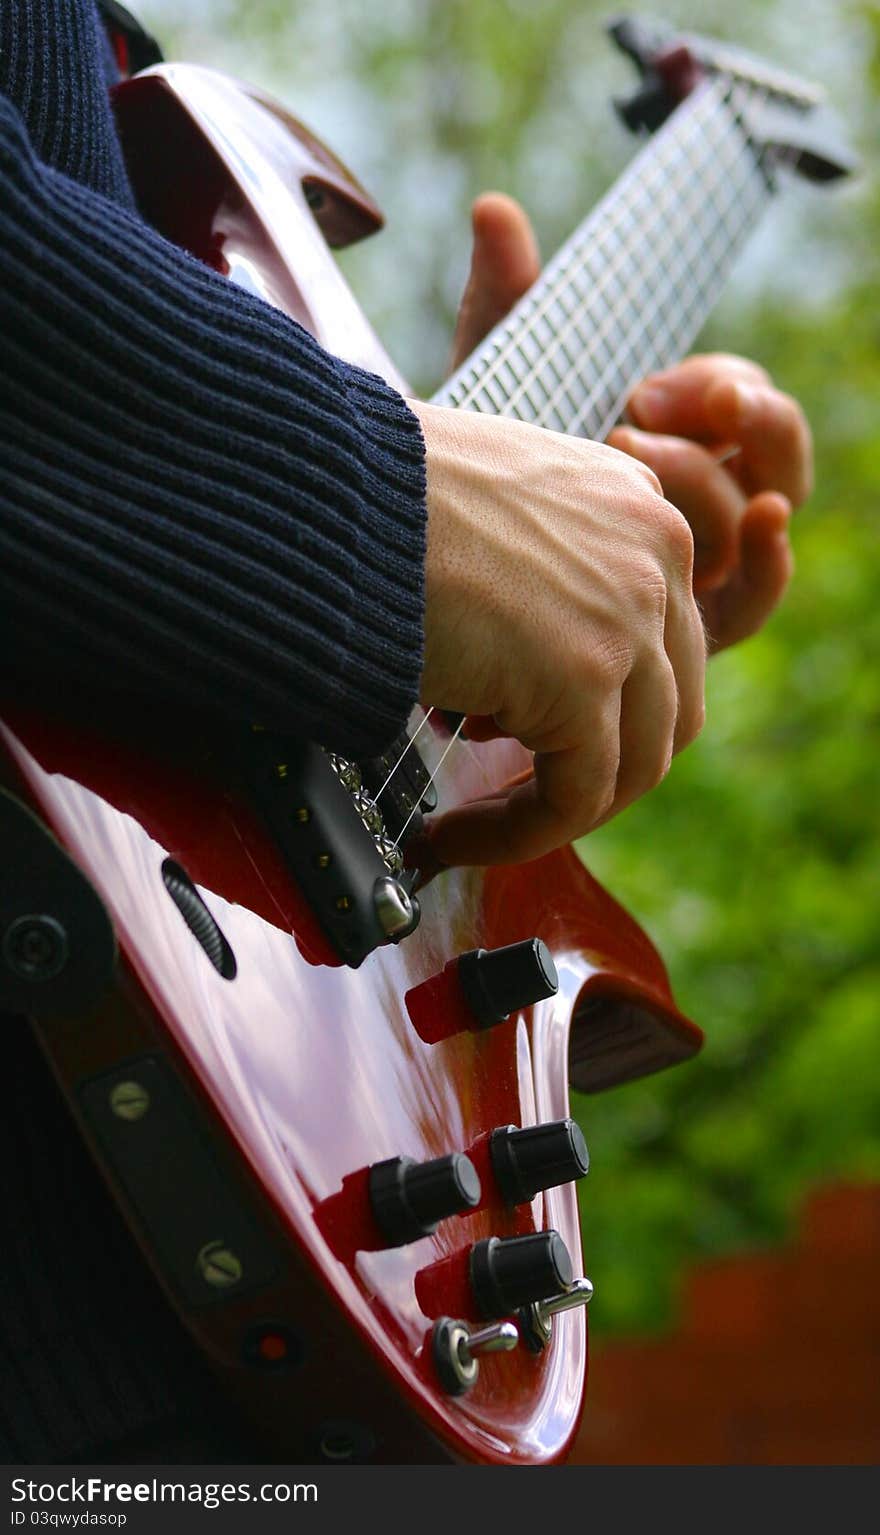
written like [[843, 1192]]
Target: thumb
[[504, 264]]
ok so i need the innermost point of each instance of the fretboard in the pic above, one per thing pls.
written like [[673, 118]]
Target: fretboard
[[632, 287]]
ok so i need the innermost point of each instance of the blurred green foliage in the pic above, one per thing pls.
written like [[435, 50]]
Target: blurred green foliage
[[756, 866]]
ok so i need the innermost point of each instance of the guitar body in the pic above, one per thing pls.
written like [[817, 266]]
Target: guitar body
[[236, 1097]]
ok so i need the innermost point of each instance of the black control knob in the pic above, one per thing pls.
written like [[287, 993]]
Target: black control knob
[[539, 1157], [508, 1272], [498, 982], [409, 1198]]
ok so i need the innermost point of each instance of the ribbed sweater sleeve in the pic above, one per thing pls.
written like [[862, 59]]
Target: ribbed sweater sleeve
[[197, 503]]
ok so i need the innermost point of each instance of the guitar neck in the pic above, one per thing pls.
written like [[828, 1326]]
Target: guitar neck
[[632, 287]]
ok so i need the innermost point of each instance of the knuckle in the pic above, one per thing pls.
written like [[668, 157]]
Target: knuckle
[[678, 539], [640, 476], [605, 663], [734, 363], [648, 587]]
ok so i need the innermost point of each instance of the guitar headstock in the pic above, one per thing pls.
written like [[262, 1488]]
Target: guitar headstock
[[787, 118]]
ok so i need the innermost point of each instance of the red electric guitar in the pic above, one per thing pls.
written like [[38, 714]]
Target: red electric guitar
[[332, 1101]]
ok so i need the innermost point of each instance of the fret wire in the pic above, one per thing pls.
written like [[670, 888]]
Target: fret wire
[[675, 188], [584, 246], [686, 189], [637, 191], [677, 337], [668, 305], [521, 324], [678, 340], [668, 289], [602, 224], [610, 271], [624, 301]]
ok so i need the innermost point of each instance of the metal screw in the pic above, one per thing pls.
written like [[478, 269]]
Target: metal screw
[[394, 908], [129, 1100], [219, 1266], [35, 947]]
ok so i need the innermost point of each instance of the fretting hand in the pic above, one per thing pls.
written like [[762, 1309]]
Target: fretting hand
[[685, 421]]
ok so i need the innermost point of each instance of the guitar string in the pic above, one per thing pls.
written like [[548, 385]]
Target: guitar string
[[604, 222], [613, 320], [721, 245], [591, 237], [668, 286], [606, 219], [563, 282], [596, 230], [610, 274], [706, 259], [673, 197], [674, 332], [444, 754], [408, 748], [624, 252]]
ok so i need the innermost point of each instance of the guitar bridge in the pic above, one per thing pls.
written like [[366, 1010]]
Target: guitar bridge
[[340, 826]]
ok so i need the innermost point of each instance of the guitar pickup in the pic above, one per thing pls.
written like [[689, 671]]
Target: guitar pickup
[[341, 844], [401, 786]]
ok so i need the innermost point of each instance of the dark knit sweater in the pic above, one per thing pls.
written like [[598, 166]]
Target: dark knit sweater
[[197, 505], [197, 502]]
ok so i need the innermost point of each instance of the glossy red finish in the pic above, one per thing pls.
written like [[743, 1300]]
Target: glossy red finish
[[311, 1072]]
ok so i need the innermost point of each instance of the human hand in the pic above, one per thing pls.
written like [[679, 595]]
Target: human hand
[[559, 611], [735, 456], [684, 423]]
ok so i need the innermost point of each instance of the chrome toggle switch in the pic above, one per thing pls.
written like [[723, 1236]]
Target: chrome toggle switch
[[456, 1349], [536, 1321]]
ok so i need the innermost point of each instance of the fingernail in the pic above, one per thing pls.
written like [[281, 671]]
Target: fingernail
[[628, 438], [649, 404], [748, 402]]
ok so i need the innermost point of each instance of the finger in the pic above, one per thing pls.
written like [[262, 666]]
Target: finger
[[648, 715], [504, 264], [704, 493], [766, 565], [719, 398], [684, 639], [776, 446], [568, 793], [674, 400], [482, 727]]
